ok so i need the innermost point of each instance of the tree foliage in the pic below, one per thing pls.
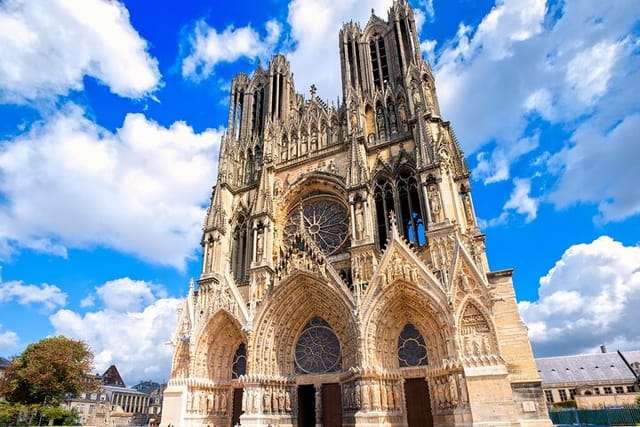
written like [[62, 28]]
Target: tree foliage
[[47, 371]]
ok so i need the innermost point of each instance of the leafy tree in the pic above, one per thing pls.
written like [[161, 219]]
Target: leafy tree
[[47, 371]]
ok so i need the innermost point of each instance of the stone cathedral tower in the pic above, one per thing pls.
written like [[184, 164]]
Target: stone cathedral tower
[[344, 278]]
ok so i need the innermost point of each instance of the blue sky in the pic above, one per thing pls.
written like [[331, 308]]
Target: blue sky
[[111, 115]]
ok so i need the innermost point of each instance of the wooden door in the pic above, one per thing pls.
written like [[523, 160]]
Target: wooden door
[[416, 391], [237, 406], [331, 405]]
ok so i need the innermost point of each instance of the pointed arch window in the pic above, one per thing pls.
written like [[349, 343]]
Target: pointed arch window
[[250, 168], [240, 250], [257, 117], [239, 362], [411, 217], [383, 196], [402, 196], [412, 350], [379, 62]]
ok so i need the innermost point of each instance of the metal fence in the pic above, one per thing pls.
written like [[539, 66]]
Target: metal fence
[[596, 417]]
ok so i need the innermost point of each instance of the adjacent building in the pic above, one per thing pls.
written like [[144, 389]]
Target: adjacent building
[[591, 380], [344, 277], [113, 404]]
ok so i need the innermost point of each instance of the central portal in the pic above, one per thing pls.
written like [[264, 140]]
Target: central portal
[[306, 406]]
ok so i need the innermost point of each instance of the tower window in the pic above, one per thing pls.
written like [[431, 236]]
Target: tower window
[[379, 63], [404, 200]]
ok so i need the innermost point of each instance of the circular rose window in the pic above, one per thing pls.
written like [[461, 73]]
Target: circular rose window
[[325, 219]]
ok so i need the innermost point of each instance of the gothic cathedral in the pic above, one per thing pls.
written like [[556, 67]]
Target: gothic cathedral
[[344, 279]]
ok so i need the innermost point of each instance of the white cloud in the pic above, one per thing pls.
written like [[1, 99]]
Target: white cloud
[[8, 340], [588, 298], [48, 296], [207, 47], [496, 168], [141, 190], [589, 78], [521, 201], [128, 336], [572, 65], [46, 48], [314, 31], [601, 168], [125, 295]]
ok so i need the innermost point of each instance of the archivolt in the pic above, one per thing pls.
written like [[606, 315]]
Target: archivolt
[[284, 315], [401, 303], [216, 347]]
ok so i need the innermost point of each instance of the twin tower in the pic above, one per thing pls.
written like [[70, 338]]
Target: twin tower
[[344, 278]]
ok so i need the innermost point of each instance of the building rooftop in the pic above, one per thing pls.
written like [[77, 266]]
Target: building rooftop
[[586, 368], [4, 363]]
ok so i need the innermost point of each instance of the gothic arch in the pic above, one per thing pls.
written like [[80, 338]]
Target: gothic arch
[[390, 310], [284, 314], [216, 346]]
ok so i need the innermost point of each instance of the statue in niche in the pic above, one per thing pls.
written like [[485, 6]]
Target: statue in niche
[[382, 131], [434, 203], [468, 210], [259, 243], [266, 399], [416, 97], [359, 210], [402, 113], [393, 124], [223, 402], [287, 401]]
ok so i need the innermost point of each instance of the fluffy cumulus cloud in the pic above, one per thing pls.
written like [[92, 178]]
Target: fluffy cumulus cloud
[[207, 47], [590, 297], [591, 173], [8, 340], [566, 63], [50, 297], [129, 328], [141, 190], [46, 48]]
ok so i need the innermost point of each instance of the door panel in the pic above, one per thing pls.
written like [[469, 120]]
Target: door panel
[[416, 391], [237, 406], [331, 405]]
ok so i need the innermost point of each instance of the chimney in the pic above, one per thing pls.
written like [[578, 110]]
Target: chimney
[[603, 348]]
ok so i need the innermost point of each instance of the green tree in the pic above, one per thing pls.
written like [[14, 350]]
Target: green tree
[[47, 371]]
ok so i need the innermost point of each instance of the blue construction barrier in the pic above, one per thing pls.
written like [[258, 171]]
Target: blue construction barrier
[[596, 417]]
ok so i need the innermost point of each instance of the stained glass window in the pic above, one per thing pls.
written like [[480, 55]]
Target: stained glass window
[[412, 350], [239, 362], [318, 348], [325, 219]]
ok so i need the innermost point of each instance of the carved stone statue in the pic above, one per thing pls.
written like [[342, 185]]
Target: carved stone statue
[[434, 203]]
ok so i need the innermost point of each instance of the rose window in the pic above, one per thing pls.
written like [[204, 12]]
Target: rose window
[[318, 348], [325, 219]]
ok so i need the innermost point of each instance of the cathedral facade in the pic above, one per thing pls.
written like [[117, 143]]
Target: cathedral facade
[[344, 277]]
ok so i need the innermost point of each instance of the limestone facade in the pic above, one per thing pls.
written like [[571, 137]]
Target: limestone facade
[[344, 278]]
